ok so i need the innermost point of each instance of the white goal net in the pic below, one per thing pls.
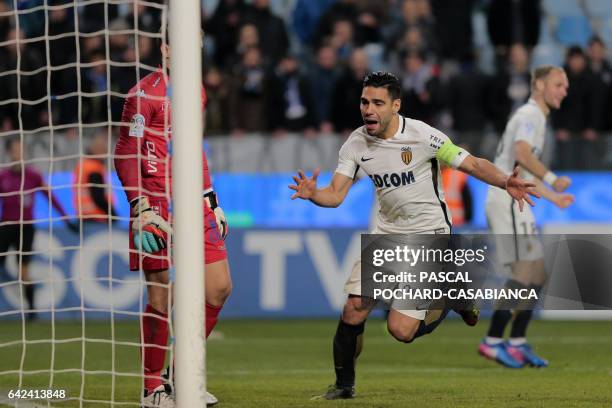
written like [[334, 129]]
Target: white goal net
[[69, 304]]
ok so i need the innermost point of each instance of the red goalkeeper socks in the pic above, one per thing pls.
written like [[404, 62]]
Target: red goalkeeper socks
[[212, 317], [154, 341]]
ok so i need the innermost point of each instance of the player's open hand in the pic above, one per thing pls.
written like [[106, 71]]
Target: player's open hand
[[520, 189], [561, 184], [564, 200], [304, 187]]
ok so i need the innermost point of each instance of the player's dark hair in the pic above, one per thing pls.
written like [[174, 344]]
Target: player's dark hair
[[387, 80]]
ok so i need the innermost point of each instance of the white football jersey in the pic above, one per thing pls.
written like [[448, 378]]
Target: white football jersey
[[406, 175], [528, 123]]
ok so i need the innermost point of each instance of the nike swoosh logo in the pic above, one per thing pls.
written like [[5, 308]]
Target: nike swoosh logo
[[363, 159]]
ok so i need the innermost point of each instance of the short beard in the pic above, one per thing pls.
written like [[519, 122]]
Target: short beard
[[383, 129]]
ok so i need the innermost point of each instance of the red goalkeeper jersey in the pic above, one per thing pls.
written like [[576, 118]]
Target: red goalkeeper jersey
[[142, 158]]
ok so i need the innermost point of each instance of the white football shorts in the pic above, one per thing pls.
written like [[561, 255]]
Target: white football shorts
[[518, 238]]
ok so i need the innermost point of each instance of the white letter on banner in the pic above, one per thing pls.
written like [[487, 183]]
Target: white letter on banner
[[273, 248], [332, 274]]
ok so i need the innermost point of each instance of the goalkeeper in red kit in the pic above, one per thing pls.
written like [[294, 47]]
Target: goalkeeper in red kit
[[143, 164]]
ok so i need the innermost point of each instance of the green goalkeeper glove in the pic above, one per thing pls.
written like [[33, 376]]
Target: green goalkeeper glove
[[148, 227]]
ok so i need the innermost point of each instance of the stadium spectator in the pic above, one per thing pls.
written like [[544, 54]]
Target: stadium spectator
[[412, 41], [249, 94], [371, 16], [509, 87], [92, 196], [345, 115], [147, 55], [32, 23], [421, 88], [273, 38], [341, 10], [324, 75], [306, 16], [578, 121], [148, 17], [224, 26], [513, 21], [291, 105], [602, 70], [415, 17], [119, 40], [19, 87], [93, 44], [61, 50], [598, 63], [18, 186], [248, 37], [342, 39], [467, 100], [366, 18], [94, 81], [91, 17], [5, 20], [218, 103], [453, 27]]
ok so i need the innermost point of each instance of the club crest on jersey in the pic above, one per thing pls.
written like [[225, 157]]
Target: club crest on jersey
[[406, 155]]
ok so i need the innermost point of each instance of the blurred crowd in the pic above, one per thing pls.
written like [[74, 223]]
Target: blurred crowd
[[301, 71]]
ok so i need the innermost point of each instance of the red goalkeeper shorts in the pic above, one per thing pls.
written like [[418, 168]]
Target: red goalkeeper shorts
[[214, 247]]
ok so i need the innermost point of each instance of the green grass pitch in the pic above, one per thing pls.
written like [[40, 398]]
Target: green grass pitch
[[283, 363]]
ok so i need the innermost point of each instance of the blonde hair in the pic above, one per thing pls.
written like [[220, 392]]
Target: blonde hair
[[542, 72]]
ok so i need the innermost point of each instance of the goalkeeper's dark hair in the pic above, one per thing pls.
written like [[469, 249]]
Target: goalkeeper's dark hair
[[382, 79], [542, 72]]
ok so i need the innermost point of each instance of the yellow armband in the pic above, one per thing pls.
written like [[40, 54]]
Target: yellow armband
[[448, 152]]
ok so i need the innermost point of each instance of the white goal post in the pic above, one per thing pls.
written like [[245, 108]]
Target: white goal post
[[81, 336], [185, 72]]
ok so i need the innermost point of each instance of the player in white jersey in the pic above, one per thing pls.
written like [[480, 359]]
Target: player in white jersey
[[400, 156], [520, 248]]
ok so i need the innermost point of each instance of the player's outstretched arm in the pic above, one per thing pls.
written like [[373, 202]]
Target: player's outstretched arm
[[561, 200], [330, 196], [487, 172], [526, 158]]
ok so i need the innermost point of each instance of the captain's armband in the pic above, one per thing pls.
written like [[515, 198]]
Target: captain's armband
[[450, 154]]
